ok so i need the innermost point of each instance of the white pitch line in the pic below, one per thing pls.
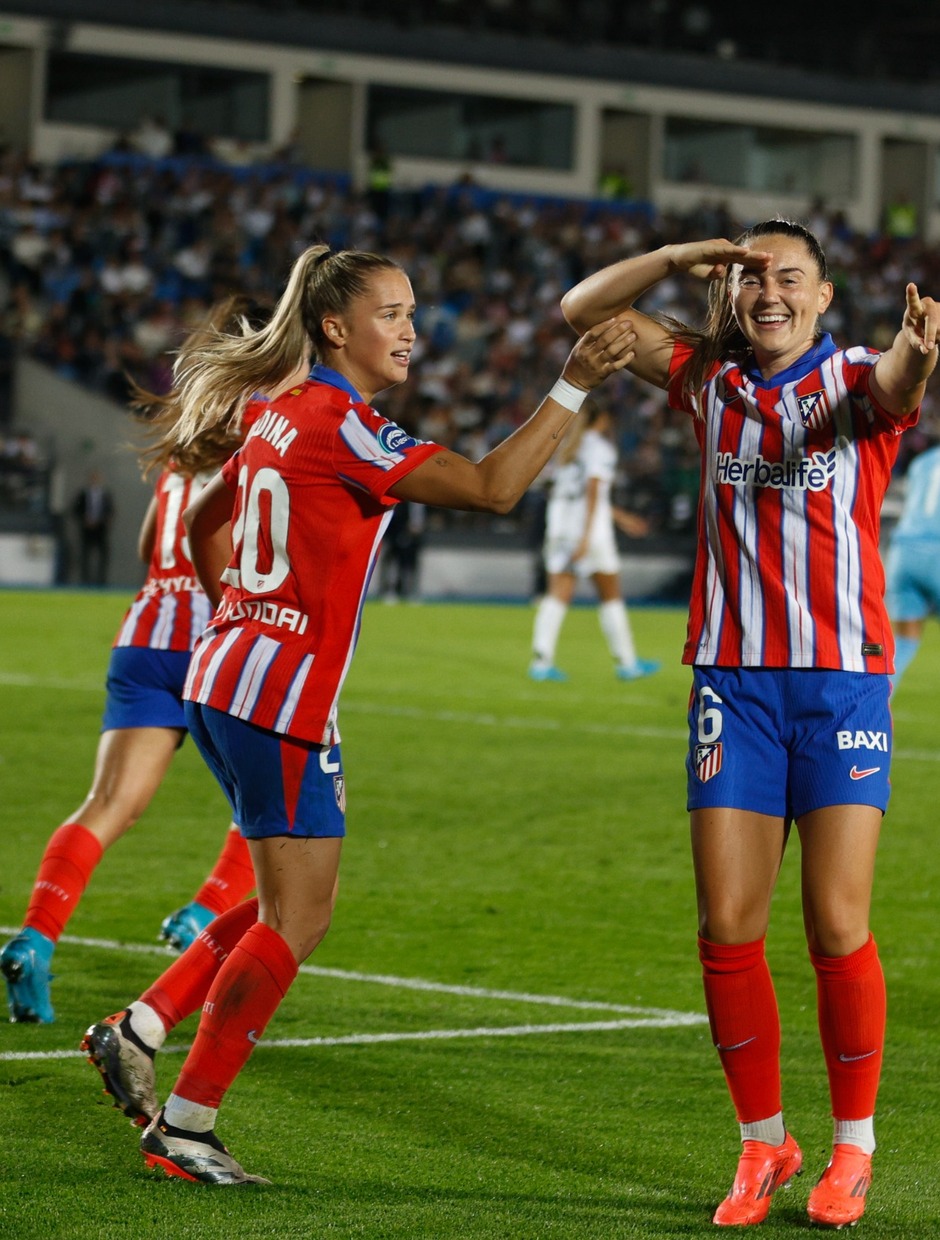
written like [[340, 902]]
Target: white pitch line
[[23, 680], [480, 992], [486, 720], [421, 1035], [471, 718], [408, 983], [464, 718], [638, 1018]]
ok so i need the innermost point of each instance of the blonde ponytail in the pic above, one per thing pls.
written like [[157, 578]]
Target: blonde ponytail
[[216, 379], [159, 414]]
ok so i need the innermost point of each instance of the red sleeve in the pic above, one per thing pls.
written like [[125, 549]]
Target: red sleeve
[[371, 453], [858, 366]]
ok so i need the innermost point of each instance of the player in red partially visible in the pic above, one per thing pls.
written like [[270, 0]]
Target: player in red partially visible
[[143, 722], [791, 652], [309, 497]]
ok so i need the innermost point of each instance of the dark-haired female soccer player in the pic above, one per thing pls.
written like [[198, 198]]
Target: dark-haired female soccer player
[[791, 651]]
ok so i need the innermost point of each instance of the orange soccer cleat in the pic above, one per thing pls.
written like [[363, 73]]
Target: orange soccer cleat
[[762, 1169], [838, 1200]]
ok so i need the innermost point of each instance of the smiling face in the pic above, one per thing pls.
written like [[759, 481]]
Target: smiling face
[[371, 342], [777, 303]]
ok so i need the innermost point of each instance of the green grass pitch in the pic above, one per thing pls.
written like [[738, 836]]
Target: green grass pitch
[[503, 1034]]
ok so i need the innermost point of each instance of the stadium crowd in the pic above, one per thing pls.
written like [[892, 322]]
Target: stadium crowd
[[105, 266]]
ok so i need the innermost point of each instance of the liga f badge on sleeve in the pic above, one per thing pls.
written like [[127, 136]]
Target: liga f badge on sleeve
[[707, 761]]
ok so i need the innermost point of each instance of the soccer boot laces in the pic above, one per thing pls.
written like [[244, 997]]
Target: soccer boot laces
[[546, 671], [638, 670], [185, 925]]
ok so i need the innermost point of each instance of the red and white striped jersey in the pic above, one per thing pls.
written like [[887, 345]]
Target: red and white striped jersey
[[171, 608], [311, 506], [788, 571]]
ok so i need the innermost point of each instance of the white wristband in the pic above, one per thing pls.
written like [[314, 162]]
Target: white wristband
[[567, 395]]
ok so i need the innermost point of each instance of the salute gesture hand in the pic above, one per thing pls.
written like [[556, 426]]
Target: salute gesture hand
[[709, 260]]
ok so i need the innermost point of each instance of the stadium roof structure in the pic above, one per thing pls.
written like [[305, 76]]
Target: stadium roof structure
[[817, 52]]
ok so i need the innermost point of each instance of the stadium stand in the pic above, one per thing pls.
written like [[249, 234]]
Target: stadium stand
[[106, 262]]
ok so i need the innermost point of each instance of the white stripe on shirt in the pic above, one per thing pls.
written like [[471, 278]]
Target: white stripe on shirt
[[364, 444], [264, 650]]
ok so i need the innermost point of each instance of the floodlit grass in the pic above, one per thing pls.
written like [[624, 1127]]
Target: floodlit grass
[[510, 843]]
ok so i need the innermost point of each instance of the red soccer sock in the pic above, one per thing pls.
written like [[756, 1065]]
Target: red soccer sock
[[67, 864], [745, 1025], [245, 995], [232, 877], [852, 1016], [182, 988]]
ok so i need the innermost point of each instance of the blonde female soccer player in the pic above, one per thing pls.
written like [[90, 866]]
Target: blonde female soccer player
[[308, 496]]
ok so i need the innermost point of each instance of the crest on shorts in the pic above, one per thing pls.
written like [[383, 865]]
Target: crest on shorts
[[339, 791], [814, 411], [707, 761]]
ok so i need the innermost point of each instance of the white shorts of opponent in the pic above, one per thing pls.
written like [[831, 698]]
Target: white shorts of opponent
[[602, 555]]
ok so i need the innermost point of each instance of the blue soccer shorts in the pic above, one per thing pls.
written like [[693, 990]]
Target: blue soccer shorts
[[145, 688], [787, 741], [276, 785]]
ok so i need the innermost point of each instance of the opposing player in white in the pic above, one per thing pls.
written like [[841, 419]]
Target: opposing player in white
[[581, 543]]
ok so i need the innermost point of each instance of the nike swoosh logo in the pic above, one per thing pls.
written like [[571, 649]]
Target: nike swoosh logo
[[852, 1058], [737, 1046], [252, 1038], [855, 773]]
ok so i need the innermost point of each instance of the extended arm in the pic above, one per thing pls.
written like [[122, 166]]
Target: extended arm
[[632, 524], [501, 478], [901, 373], [614, 289]]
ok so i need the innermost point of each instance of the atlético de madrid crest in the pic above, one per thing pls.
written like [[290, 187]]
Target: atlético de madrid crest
[[707, 761], [339, 791], [814, 411]]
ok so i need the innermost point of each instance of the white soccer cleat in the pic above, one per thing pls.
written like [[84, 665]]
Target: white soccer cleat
[[199, 1157], [126, 1066]]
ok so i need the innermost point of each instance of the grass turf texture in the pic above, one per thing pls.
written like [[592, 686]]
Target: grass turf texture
[[505, 836]]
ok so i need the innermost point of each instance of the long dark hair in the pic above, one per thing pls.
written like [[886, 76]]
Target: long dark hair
[[721, 337]]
